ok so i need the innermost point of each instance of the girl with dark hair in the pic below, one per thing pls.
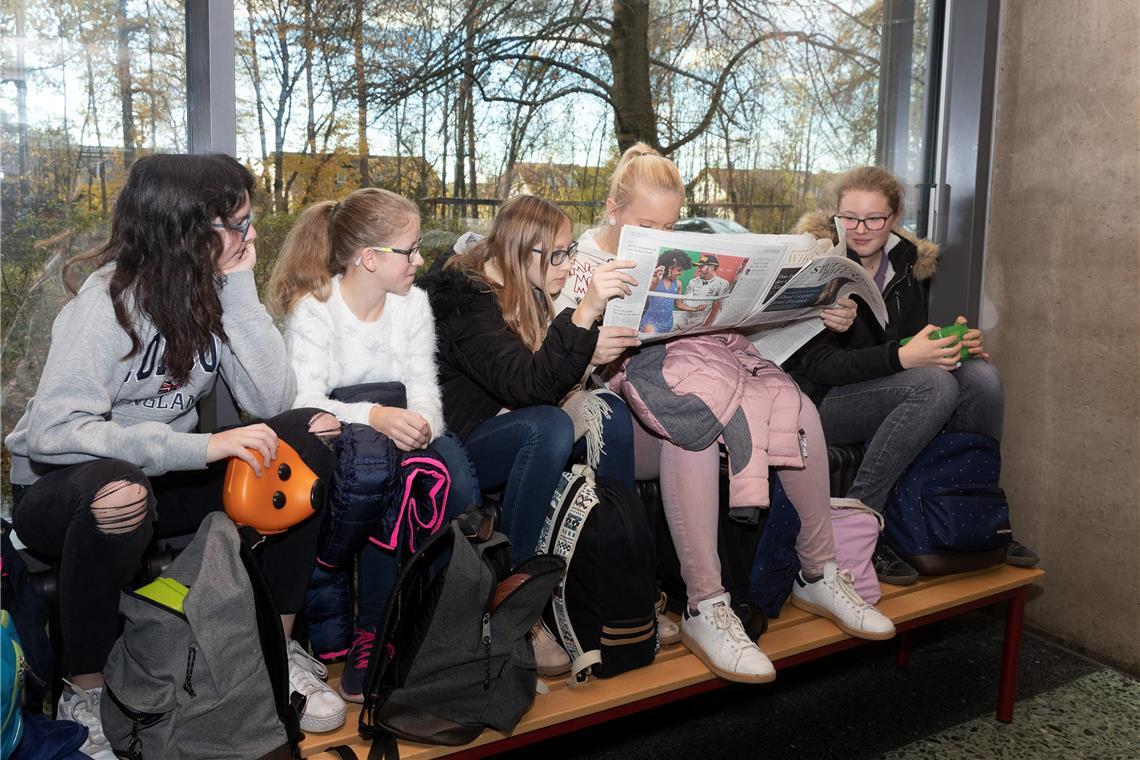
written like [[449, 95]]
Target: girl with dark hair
[[344, 281], [105, 456], [507, 360]]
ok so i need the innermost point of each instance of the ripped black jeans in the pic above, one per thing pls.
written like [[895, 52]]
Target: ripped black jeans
[[98, 518]]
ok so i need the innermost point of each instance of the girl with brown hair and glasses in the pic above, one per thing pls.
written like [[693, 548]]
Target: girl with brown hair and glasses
[[507, 361]]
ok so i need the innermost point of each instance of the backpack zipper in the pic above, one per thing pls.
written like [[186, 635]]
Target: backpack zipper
[[487, 650], [191, 656]]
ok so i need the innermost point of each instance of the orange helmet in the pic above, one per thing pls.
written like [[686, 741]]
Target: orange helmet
[[287, 492]]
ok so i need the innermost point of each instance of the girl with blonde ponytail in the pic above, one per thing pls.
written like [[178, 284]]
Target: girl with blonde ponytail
[[344, 283], [647, 191]]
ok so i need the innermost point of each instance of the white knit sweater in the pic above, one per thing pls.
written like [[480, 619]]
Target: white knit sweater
[[330, 348]]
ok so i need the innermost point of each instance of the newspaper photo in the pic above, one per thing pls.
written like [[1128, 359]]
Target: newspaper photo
[[770, 287]]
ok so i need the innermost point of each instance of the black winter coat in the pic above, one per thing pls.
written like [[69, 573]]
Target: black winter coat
[[866, 351], [483, 366]]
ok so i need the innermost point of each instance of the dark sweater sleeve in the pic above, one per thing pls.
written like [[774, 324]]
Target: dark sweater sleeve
[[495, 358], [826, 362]]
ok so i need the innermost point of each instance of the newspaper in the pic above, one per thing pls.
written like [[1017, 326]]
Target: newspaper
[[772, 288]]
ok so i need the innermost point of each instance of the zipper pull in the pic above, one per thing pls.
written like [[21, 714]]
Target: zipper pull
[[803, 444], [187, 685], [487, 650]]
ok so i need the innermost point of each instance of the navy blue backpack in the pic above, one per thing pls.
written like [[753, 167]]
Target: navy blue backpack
[[947, 513]]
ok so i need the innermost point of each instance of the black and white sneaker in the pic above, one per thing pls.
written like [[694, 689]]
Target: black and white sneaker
[[1020, 555], [890, 567]]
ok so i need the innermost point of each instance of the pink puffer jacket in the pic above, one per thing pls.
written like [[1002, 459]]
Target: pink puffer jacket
[[697, 390]]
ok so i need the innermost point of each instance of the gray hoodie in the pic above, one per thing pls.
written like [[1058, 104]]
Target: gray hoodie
[[94, 402]]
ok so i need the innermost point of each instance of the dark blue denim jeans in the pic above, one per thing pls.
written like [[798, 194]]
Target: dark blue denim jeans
[[899, 414], [527, 450], [379, 567]]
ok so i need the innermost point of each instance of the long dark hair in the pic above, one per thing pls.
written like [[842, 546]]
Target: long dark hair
[[166, 250]]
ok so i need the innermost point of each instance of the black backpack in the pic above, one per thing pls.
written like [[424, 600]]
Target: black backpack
[[603, 612], [453, 656]]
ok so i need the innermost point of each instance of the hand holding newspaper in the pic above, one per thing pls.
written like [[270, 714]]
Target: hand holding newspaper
[[772, 288]]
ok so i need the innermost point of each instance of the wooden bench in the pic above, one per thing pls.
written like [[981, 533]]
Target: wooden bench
[[793, 638]]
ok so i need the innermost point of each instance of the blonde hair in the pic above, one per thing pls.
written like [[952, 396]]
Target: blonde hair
[[524, 223], [327, 237], [873, 179], [642, 169]]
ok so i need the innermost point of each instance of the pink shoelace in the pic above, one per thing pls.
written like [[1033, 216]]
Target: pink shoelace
[[362, 644]]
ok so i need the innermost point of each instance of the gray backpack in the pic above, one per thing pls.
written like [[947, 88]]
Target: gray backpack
[[201, 668]]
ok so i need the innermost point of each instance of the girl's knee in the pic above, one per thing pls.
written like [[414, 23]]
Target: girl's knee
[[324, 425], [122, 507], [551, 428]]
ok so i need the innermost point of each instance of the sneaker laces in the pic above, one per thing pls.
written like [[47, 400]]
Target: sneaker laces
[[845, 584], [300, 657], [362, 647], [726, 620], [85, 710], [304, 681]]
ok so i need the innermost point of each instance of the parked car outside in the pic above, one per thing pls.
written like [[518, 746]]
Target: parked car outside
[[708, 224]]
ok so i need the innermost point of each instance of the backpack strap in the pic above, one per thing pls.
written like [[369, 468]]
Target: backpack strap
[[577, 498], [273, 646]]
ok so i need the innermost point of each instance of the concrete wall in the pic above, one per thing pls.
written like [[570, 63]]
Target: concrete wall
[[1062, 289]]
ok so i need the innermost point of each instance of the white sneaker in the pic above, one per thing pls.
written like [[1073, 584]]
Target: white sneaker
[[834, 597], [82, 706], [717, 637], [668, 632], [324, 709], [549, 657]]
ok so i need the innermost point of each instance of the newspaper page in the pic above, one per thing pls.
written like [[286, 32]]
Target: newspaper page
[[691, 283]]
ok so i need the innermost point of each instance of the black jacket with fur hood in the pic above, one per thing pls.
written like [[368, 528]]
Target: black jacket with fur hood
[[867, 351], [483, 366]]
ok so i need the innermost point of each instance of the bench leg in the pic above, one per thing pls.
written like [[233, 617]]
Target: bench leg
[[902, 653], [1007, 684]]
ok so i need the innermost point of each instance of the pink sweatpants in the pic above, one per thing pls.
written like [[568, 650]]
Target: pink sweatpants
[[690, 489]]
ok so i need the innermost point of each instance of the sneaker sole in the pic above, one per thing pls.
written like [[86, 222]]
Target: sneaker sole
[[898, 580], [561, 670], [355, 698], [727, 675], [321, 725], [1022, 561], [670, 640], [815, 609]]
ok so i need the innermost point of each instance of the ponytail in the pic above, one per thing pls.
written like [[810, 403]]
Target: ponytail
[[305, 264], [325, 240], [642, 169]]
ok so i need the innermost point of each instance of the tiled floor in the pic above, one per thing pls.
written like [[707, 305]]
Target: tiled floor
[[1095, 716], [858, 705]]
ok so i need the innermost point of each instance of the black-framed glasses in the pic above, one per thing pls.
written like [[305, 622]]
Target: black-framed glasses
[[559, 256], [242, 226], [410, 253], [870, 223]]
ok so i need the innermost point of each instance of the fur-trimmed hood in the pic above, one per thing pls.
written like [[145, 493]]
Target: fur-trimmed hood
[[818, 225], [451, 291]]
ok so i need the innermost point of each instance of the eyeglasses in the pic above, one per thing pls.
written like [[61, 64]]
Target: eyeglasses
[[242, 226], [871, 223], [559, 256], [410, 253]]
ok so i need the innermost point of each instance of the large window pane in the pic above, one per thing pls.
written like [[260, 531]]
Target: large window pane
[[87, 87], [459, 104]]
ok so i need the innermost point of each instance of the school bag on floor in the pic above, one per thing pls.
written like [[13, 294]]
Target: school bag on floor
[[453, 655], [947, 513], [201, 669], [603, 611]]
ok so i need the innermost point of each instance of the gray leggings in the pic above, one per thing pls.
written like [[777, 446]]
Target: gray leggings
[[896, 416]]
